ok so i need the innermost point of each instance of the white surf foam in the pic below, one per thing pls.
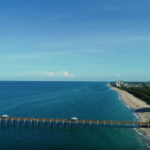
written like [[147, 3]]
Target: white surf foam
[[136, 116], [120, 97], [138, 132], [147, 145], [128, 106]]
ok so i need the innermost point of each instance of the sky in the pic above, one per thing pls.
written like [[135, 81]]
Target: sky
[[74, 40]]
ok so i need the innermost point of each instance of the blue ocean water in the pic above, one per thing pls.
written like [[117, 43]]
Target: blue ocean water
[[85, 100]]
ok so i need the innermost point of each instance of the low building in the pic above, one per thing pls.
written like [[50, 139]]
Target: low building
[[119, 83]]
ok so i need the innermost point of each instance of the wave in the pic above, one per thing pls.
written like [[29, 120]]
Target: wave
[[138, 132], [136, 115], [128, 106], [147, 145], [119, 96]]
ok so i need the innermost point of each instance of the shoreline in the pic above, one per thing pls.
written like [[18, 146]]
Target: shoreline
[[140, 107]]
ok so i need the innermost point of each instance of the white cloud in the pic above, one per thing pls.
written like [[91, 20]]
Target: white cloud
[[58, 74], [64, 73], [49, 73], [71, 75], [117, 75], [45, 73]]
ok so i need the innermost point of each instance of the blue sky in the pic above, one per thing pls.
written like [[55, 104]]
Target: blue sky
[[75, 40]]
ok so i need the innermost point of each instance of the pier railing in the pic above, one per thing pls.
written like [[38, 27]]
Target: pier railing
[[69, 122]]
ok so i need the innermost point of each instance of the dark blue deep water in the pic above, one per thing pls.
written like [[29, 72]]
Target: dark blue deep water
[[85, 100]]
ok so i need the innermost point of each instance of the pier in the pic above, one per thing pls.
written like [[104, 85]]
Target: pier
[[71, 123]]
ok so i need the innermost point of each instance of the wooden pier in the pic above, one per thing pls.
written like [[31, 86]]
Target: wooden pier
[[69, 122]]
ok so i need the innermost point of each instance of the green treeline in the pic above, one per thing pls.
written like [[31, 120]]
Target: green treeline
[[141, 92]]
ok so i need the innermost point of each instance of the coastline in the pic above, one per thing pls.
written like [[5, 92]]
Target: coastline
[[140, 107]]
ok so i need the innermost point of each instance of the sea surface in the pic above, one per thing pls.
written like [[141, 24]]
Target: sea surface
[[84, 100]]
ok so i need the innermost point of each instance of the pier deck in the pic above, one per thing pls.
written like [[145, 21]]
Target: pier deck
[[69, 122]]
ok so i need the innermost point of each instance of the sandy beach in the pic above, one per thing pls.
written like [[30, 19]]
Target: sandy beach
[[140, 107]]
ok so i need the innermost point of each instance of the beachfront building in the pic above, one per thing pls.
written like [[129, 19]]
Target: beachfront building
[[119, 83]]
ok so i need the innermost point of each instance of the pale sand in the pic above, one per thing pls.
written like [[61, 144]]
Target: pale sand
[[141, 108]]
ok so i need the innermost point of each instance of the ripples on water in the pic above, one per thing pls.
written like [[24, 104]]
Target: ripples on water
[[85, 100]]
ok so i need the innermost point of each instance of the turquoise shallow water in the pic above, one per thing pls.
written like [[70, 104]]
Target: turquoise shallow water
[[85, 100]]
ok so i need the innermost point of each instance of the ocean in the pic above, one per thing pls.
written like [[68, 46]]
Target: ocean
[[84, 100]]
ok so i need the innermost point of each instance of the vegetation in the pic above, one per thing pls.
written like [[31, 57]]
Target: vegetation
[[142, 92]]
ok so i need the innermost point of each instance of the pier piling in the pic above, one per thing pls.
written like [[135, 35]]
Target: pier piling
[[63, 122], [56, 122], [111, 124], [31, 122], [104, 124], [90, 124], [118, 124], [50, 122], [18, 121], [83, 123], [24, 121], [70, 123], [38, 122], [44, 123], [77, 123], [133, 125]]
